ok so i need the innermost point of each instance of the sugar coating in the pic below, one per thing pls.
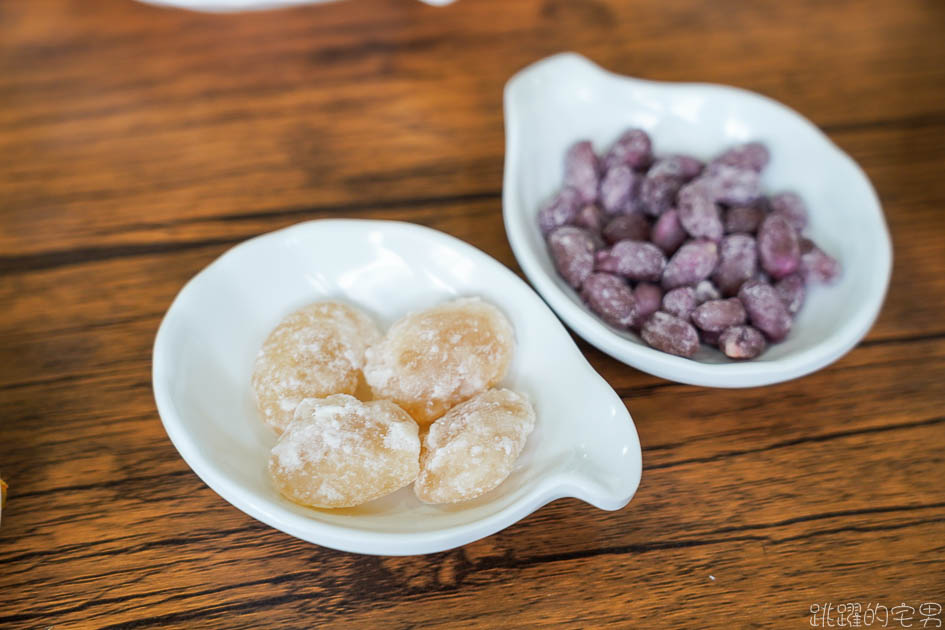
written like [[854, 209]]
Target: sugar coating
[[670, 334], [340, 452], [560, 210], [591, 218], [680, 302], [572, 251], [612, 298], [668, 233], [619, 190], [744, 219], [636, 260], [791, 207], [738, 263], [692, 263], [430, 360], [316, 351], [582, 170], [778, 246], [698, 213], [471, 450], [741, 342], [633, 148]]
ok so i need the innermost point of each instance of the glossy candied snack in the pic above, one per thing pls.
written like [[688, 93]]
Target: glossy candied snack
[[316, 351], [670, 334], [433, 359], [572, 251], [341, 452], [610, 297], [472, 449]]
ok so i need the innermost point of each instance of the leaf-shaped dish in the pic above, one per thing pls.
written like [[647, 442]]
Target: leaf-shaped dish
[[565, 98], [584, 444]]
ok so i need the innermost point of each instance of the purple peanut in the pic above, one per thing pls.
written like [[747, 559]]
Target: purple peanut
[[648, 297], [659, 187], [732, 185], [670, 334], [591, 218], [816, 264], [635, 260], [791, 290], [765, 309], [559, 210], [620, 190], [744, 219], [741, 342], [709, 338], [633, 148], [791, 207], [693, 262], [778, 246], [610, 297], [582, 170], [627, 226], [698, 214], [751, 156], [680, 302], [572, 250], [706, 290], [668, 233], [717, 315], [738, 263]]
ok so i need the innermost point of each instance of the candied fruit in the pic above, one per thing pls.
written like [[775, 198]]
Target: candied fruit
[[341, 452], [316, 351], [430, 360], [471, 449]]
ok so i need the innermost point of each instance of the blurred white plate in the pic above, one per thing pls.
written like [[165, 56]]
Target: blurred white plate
[[565, 98], [584, 444]]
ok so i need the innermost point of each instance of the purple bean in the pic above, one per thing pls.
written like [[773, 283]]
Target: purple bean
[[572, 250], [741, 342], [816, 264], [635, 260], [610, 297], [582, 170], [709, 338], [778, 247], [765, 309], [791, 290], [668, 233], [620, 190], [698, 214], [792, 207], [717, 315], [670, 334], [693, 262], [680, 302], [732, 185], [591, 218], [560, 210], [738, 262], [627, 226], [648, 297], [706, 290], [751, 156], [745, 219], [687, 166], [633, 148], [659, 188]]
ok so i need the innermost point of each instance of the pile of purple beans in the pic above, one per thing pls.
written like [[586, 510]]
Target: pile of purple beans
[[683, 251]]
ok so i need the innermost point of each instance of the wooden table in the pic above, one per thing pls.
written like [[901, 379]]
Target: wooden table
[[137, 144]]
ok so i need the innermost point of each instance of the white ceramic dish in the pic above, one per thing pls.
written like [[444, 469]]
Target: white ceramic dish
[[565, 98], [584, 444]]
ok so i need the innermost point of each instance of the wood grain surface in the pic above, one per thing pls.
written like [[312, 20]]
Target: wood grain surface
[[138, 143]]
